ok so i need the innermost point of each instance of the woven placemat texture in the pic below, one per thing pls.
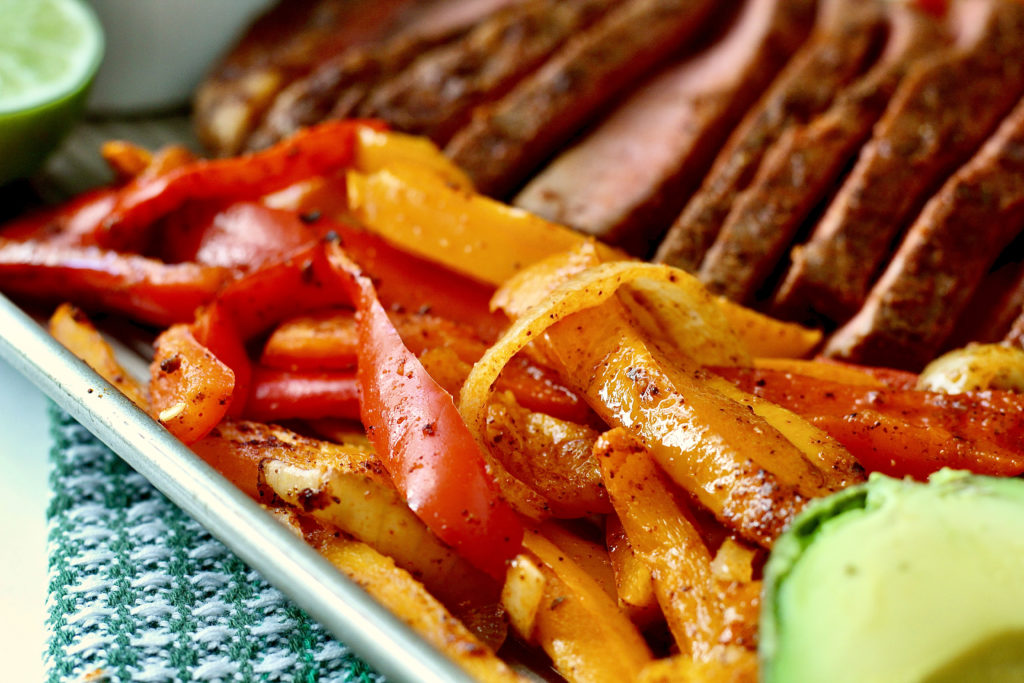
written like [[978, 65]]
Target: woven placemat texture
[[138, 591]]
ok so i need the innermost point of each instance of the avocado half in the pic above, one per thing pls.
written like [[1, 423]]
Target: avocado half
[[899, 581]]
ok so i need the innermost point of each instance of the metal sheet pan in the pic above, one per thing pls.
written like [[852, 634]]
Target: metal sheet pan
[[286, 561]]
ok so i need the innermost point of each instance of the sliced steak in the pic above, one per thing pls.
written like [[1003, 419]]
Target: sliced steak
[[843, 41], [992, 308], [634, 171], [339, 85], [295, 38], [508, 139], [801, 169], [436, 94], [952, 244], [282, 45], [940, 116]]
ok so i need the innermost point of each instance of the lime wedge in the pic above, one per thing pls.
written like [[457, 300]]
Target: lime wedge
[[50, 51]]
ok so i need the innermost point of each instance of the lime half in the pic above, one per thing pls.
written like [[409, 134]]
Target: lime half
[[50, 51]]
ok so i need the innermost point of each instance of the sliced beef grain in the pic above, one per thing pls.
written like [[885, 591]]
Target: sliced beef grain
[[992, 308], [337, 87], [436, 94], [940, 116], [952, 244], [634, 171], [302, 37], [285, 43], [843, 42], [801, 169], [509, 138]]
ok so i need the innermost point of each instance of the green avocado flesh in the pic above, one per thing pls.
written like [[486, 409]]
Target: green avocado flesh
[[896, 581]]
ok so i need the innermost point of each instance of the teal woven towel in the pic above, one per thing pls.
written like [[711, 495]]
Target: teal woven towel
[[138, 591]]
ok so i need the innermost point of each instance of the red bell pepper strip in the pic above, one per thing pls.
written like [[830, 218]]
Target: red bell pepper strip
[[71, 224], [318, 150], [902, 432], [243, 235], [145, 289], [287, 394], [214, 343], [190, 389], [297, 283], [896, 447], [421, 439]]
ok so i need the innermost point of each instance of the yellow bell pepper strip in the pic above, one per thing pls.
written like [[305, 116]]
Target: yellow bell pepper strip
[[415, 208], [377, 150], [70, 326], [412, 206], [735, 462], [578, 624], [421, 439], [662, 533]]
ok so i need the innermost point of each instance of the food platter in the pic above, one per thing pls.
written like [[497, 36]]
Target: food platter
[[306, 266]]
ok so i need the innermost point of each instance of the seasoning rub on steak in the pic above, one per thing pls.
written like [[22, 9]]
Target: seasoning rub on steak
[[436, 94], [508, 139], [284, 44], [841, 45], [913, 307], [301, 53], [941, 114], [634, 171], [800, 170]]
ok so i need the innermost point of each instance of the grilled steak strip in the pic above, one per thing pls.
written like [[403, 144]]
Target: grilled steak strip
[[282, 45], [635, 170], [842, 43], [336, 87], [955, 240], [939, 117], [508, 139], [992, 308], [801, 169], [436, 94]]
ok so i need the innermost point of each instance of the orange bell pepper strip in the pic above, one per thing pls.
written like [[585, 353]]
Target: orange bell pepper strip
[[147, 290], [318, 150], [212, 348], [190, 389], [902, 432], [421, 438], [287, 394]]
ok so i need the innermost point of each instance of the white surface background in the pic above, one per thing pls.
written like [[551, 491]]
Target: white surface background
[[24, 444]]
